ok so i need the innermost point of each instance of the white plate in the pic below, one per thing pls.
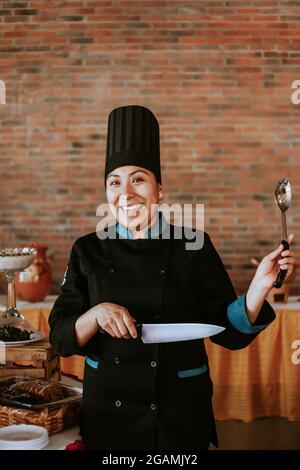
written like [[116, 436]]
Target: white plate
[[38, 336], [23, 436], [24, 445], [34, 443]]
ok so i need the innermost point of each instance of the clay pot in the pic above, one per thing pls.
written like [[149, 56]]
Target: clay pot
[[34, 283]]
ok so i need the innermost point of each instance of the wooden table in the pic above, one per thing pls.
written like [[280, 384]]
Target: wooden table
[[260, 380]]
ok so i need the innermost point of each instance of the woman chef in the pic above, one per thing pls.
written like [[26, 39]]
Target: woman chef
[[149, 396]]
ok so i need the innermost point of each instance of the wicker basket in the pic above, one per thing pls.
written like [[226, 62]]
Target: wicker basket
[[53, 419]]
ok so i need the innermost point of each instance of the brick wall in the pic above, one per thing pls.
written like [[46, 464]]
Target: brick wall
[[217, 74]]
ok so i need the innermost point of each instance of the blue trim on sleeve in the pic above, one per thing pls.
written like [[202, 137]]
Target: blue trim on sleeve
[[238, 317], [192, 372], [92, 363]]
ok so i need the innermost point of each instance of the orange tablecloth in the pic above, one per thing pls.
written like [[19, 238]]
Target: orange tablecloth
[[261, 380]]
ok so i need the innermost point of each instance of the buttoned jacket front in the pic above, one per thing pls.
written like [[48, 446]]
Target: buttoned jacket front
[[147, 396]]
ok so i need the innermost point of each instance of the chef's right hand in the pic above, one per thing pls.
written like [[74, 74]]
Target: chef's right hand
[[115, 320]]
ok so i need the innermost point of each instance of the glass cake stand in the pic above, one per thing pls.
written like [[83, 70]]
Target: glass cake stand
[[14, 260]]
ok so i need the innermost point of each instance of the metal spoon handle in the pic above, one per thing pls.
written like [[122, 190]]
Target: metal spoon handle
[[283, 223], [282, 273]]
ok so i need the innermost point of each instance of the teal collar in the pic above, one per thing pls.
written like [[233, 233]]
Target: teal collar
[[152, 232]]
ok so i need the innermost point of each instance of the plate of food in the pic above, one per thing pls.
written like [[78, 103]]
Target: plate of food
[[17, 332]]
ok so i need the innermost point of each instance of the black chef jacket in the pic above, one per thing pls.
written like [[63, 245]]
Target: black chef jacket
[[147, 396]]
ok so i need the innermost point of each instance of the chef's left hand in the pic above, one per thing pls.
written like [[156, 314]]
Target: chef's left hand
[[267, 270]]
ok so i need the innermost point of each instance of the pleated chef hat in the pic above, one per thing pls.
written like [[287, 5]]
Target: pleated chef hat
[[133, 139]]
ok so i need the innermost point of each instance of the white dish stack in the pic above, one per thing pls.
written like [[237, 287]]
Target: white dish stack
[[23, 437]]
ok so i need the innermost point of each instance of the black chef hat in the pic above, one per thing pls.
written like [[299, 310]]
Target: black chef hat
[[132, 139]]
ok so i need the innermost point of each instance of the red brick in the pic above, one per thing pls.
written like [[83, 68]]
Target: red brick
[[217, 74]]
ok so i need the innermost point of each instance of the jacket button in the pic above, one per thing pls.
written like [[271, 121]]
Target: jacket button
[[153, 407], [116, 360], [118, 403], [111, 271], [162, 272], [153, 364]]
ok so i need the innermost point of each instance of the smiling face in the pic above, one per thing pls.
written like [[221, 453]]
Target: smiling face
[[133, 194]]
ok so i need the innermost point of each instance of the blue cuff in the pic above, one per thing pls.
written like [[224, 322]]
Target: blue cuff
[[91, 362], [238, 317]]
